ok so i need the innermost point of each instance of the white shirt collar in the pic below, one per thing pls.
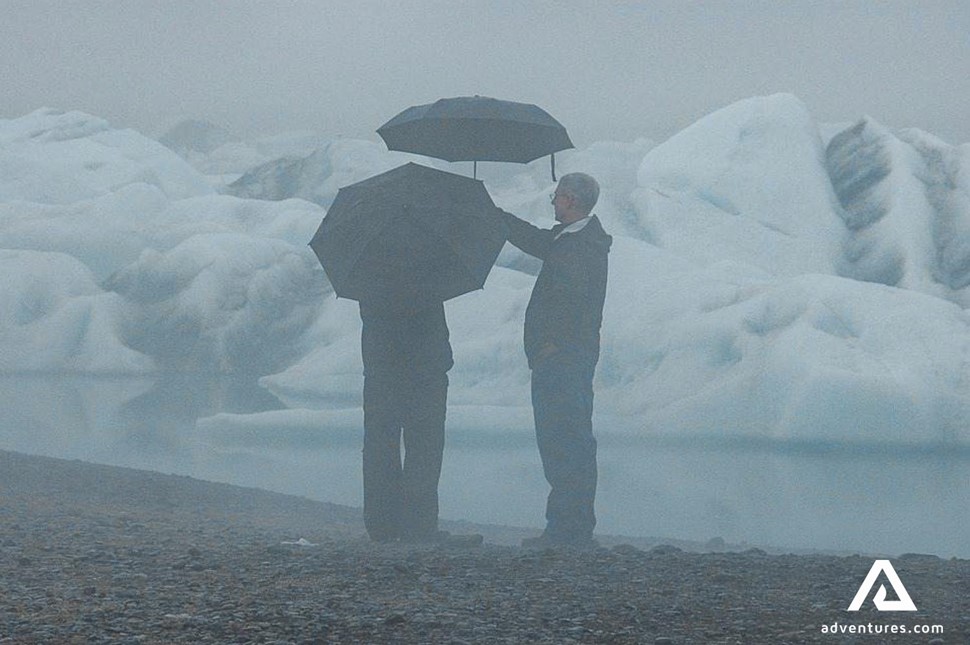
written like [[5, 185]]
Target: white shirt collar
[[578, 225]]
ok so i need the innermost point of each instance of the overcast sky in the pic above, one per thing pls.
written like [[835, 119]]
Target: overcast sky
[[607, 70]]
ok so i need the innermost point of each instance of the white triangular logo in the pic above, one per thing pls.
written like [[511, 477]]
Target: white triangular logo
[[905, 603]]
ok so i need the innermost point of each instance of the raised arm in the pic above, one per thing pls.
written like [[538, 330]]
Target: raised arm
[[531, 239]]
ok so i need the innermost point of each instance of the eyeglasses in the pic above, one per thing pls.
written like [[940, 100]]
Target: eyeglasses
[[553, 196]]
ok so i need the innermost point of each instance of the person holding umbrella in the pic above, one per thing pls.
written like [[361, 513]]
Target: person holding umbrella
[[401, 243], [562, 344]]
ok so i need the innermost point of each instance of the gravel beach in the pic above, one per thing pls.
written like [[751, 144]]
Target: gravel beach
[[99, 554]]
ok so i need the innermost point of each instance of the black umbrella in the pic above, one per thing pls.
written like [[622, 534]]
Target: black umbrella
[[477, 128], [408, 237]]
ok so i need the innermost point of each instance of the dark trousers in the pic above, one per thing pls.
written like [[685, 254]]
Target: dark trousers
[[562, 402], [401, 500]]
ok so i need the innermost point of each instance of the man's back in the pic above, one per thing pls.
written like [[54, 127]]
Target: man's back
[[405, 343]]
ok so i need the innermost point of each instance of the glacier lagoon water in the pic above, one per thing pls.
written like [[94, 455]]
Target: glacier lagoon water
[[867, 499]]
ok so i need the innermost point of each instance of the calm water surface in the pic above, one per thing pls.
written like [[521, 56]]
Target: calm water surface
[[865, 499]]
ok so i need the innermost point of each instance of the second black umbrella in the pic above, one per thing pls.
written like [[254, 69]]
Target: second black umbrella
[[476, 128]]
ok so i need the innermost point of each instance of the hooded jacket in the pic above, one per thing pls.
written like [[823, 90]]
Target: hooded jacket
[[566, 307]]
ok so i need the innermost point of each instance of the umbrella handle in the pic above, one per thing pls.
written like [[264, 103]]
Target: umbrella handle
[[552, 161]]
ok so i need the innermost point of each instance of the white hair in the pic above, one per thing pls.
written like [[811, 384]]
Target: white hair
[[583, 188]]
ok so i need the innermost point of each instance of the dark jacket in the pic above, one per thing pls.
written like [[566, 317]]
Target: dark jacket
[[566, 307], [405, 345]]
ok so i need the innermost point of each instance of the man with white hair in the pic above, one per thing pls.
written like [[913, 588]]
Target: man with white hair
[[562, 343]]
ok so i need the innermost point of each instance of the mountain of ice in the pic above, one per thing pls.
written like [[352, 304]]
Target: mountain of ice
[[55, 318], [746, 184], [223, 158], [195, 137], [52, 157], [318, 176], [769, 279], [906, 204]]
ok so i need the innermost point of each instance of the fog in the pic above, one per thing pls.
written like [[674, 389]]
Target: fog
[[608, 70], [840, 498], [767, 372], [784, 346]]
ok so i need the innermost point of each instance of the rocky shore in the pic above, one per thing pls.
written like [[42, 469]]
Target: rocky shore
[[97, 554]]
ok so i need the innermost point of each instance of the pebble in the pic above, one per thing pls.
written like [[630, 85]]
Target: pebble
[[203, 563]]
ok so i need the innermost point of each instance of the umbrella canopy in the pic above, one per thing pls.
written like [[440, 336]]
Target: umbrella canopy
[[408, 237], [476, 128]]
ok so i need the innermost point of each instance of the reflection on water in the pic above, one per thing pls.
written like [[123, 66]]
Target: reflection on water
[[825, 497], [159, 419]]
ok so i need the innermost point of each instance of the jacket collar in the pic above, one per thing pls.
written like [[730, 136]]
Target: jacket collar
[[575, 227]]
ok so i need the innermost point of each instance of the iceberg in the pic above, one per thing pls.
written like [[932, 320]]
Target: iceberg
[[55, 318], [53, 157], [771, 277], [906, 204]]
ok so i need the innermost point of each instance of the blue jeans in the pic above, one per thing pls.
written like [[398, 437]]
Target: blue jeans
[[562, 403]]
